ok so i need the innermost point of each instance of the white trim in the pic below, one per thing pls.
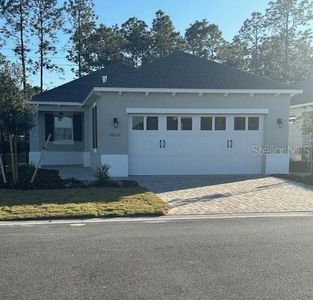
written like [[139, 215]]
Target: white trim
[[146, 91], [87, 159], [56, 103], [197, 91], [58, 158], [276, 164], [302, 105], [195, 111], [200, 92]]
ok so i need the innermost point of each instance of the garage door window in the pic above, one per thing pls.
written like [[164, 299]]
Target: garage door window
[[186, 123], [172, 123], [220, 123], [239, 123], [253, 123], [206, 123], [138, 122], [152, 123]]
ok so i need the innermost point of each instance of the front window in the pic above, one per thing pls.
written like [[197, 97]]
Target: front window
[[63, 128]]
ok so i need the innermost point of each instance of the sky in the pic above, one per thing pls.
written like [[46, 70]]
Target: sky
[[229, 15]]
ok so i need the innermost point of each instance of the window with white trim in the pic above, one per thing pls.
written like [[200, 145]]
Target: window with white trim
[[152, 123], [206, 123], [240, 123], [186, 123], [253, 123], [172, 123], [63, 128], [220, 123], [138, 122]]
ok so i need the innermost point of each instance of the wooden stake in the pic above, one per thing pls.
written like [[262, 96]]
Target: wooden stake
[[44, 148], [16, 158], [12, 158], [2, 170]]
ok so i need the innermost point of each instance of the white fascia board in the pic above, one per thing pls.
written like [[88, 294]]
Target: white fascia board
[[56, 103], [197, 91], [195, 111], [302, 105]]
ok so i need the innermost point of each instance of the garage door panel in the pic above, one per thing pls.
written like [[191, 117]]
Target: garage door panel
[[195, 152]]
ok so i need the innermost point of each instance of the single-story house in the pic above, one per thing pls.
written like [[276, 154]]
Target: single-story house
[[301, 107], [178, 115]]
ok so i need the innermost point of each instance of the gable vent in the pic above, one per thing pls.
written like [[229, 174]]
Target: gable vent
[[104, 79]]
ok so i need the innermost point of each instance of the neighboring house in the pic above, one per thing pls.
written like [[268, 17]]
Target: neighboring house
[[178, 115], [301, 107]]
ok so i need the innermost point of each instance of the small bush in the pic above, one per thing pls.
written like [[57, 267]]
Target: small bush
[[102, 174]]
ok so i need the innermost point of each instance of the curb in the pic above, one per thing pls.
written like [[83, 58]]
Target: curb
[[162, 219]]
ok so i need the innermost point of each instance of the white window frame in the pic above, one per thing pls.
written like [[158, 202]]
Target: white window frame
[[180, 124], [247, 123], [63, 142], [144, 123], [226, 121], [213, 122]]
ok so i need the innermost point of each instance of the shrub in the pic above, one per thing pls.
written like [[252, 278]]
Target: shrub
[[102, 174], [45, 179]]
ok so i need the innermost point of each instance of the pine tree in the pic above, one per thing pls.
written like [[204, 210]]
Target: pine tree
[[204, 39], [82, 19], [106, 45], [236, 54], [164, 37], [137, 40], [252, 33], [45, 23], [16, 16], [285, 19]]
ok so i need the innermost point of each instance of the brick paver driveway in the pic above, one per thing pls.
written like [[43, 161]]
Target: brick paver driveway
[[229, 194]]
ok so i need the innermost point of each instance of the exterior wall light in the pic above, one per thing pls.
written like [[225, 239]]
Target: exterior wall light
[[115, 122], [280, 122], [60, 117]]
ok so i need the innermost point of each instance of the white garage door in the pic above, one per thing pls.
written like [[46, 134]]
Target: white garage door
[[195, 144]]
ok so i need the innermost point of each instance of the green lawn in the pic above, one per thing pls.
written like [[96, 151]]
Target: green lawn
[[83, 202]]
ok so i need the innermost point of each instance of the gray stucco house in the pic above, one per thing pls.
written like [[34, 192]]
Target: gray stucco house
[[301, 108], [175, 116]]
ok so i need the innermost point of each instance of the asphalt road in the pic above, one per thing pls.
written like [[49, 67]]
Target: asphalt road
[[257, 258]]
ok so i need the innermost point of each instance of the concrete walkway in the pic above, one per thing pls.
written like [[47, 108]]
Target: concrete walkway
[[199, 195]]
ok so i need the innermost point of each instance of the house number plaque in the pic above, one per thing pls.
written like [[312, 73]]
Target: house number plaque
[[115, 134]]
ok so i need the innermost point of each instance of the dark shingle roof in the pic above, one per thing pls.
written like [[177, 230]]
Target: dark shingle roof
[[177, 70], [307, 96], [78, 89]]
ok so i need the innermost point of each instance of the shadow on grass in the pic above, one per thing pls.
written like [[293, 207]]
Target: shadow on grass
[[66, 196]]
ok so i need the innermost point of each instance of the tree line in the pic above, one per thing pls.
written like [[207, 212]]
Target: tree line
[[277, 44]]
